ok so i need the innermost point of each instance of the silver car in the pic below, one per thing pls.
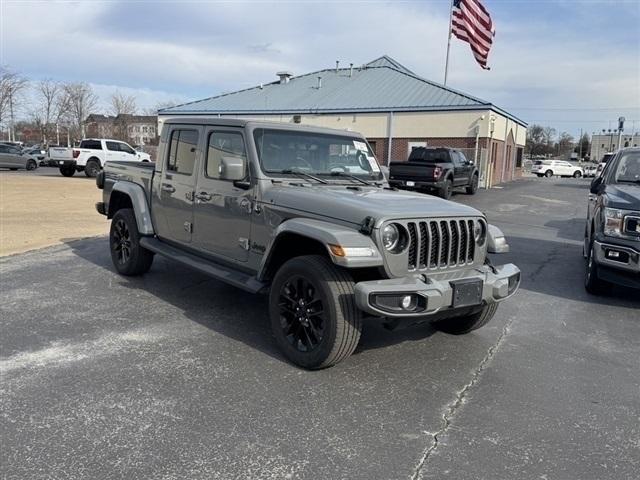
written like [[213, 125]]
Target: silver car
[[13, 158]]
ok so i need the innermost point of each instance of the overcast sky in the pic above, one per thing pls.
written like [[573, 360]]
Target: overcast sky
[[569, 64]]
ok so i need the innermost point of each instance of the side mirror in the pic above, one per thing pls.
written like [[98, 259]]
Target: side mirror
[[596, 183], [232, 168]]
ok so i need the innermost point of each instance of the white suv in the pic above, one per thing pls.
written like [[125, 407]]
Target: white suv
[[549, 168]]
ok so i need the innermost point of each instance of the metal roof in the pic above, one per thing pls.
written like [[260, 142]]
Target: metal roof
[[382, 85]]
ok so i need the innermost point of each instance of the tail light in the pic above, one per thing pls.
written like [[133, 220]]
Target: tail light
[[76, 153], [437, 171]]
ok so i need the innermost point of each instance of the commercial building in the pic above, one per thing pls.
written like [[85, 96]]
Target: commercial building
[[393, 107], [606, 142]]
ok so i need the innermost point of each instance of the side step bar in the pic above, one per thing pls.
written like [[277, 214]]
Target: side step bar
[[219, 272]]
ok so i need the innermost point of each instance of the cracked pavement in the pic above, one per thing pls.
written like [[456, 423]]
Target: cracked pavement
[[174, 375]]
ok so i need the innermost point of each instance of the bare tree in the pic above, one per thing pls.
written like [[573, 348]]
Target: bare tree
[[80, 101], [122, 104], [12, 85], [45, 112]]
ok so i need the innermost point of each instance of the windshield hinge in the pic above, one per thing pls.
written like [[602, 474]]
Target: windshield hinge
[[366, 227]]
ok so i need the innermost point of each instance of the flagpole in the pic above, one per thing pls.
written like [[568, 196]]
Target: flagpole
[[446, 63]]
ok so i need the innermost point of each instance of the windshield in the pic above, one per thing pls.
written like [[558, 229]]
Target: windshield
[[282, 151], [628, 168]]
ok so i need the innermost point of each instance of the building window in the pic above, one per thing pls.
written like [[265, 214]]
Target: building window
[[144, 129], [519, 152]]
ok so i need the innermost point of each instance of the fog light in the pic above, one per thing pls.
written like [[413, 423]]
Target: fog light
[[406, 302], [514, 281]]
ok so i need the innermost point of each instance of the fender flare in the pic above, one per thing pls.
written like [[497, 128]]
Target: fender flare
[[496, 242], [140, 206], [325, 233]]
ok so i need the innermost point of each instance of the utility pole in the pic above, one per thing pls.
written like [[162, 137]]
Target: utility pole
[[620, 129], [580, 143]]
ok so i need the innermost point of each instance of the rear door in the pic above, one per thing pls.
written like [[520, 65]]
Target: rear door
[[173, 201], [222, 210]]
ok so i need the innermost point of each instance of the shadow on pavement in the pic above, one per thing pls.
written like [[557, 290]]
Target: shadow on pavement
[[570, 229], [557, 269], [225, 309]]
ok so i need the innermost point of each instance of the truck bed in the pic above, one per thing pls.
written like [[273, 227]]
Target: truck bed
[[140, 173]]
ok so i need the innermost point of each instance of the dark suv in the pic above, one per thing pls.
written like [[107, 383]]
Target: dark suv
[[434, 169], [612, 233]]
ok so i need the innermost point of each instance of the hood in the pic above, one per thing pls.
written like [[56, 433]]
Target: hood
[[354, 206], [623, 195]]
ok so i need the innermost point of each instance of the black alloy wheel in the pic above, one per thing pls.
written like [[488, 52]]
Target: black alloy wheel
[[32, 165], [121, 241], [301, 314]]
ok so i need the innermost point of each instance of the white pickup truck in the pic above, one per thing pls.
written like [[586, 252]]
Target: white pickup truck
[[91, 156]]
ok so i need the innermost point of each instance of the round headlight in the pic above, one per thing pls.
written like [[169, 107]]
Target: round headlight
[[479, 232], [390, 236]]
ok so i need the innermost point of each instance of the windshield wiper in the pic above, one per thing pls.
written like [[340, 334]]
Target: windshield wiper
[[352, 177], [302, 174]]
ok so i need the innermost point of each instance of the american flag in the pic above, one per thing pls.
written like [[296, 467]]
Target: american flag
[[471, 23]]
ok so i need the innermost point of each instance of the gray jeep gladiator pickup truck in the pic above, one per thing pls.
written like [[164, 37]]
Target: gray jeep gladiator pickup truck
[[305, 215]]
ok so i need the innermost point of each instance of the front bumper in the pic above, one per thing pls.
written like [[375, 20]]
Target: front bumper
[[618, 263], [436, 294]]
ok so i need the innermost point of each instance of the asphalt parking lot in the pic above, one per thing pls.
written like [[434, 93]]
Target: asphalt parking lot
[[173, 375]]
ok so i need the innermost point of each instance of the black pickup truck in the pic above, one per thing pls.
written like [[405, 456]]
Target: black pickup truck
[[434, 169], [612, 233]]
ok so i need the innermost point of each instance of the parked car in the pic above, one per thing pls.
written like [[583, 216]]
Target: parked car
[[590, 169], [612, 231], [39, 154], [549, 168], [305, 215], [91, 156], [13, 158], [434, 169], [603, 162]]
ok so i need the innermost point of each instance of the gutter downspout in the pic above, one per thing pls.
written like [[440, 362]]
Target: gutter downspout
[[389, 137], [504, 152]]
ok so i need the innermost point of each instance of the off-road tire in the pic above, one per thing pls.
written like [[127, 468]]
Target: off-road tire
[[341, 326], [67, 171], [32, 165], [446, 191], [124, 230], [473, 186], [92, 168], [462, 325], [548, 173], [577, 174], [592, 282]]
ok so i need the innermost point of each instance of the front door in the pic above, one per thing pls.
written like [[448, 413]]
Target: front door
[[173, 201], [112, 153], [460, 168], [222, 211]]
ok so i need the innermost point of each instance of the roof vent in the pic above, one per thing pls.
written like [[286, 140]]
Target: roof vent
[[319, 83], [337, 65], [284, 76]]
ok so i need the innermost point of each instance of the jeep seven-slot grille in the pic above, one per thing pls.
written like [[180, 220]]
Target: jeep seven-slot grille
[[440, 243]]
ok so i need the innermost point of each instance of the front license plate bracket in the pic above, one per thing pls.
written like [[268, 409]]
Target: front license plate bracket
[[466, 292]]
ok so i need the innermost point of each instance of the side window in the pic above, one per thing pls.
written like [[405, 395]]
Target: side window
[[113, 146], [463, 159], [91, 144], [182, 151], [456, 158], [126, 148], [14, 151], [223, 144], [4, 149]]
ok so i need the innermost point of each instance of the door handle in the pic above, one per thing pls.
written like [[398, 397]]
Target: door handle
[[166, 187], [203, 196]]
